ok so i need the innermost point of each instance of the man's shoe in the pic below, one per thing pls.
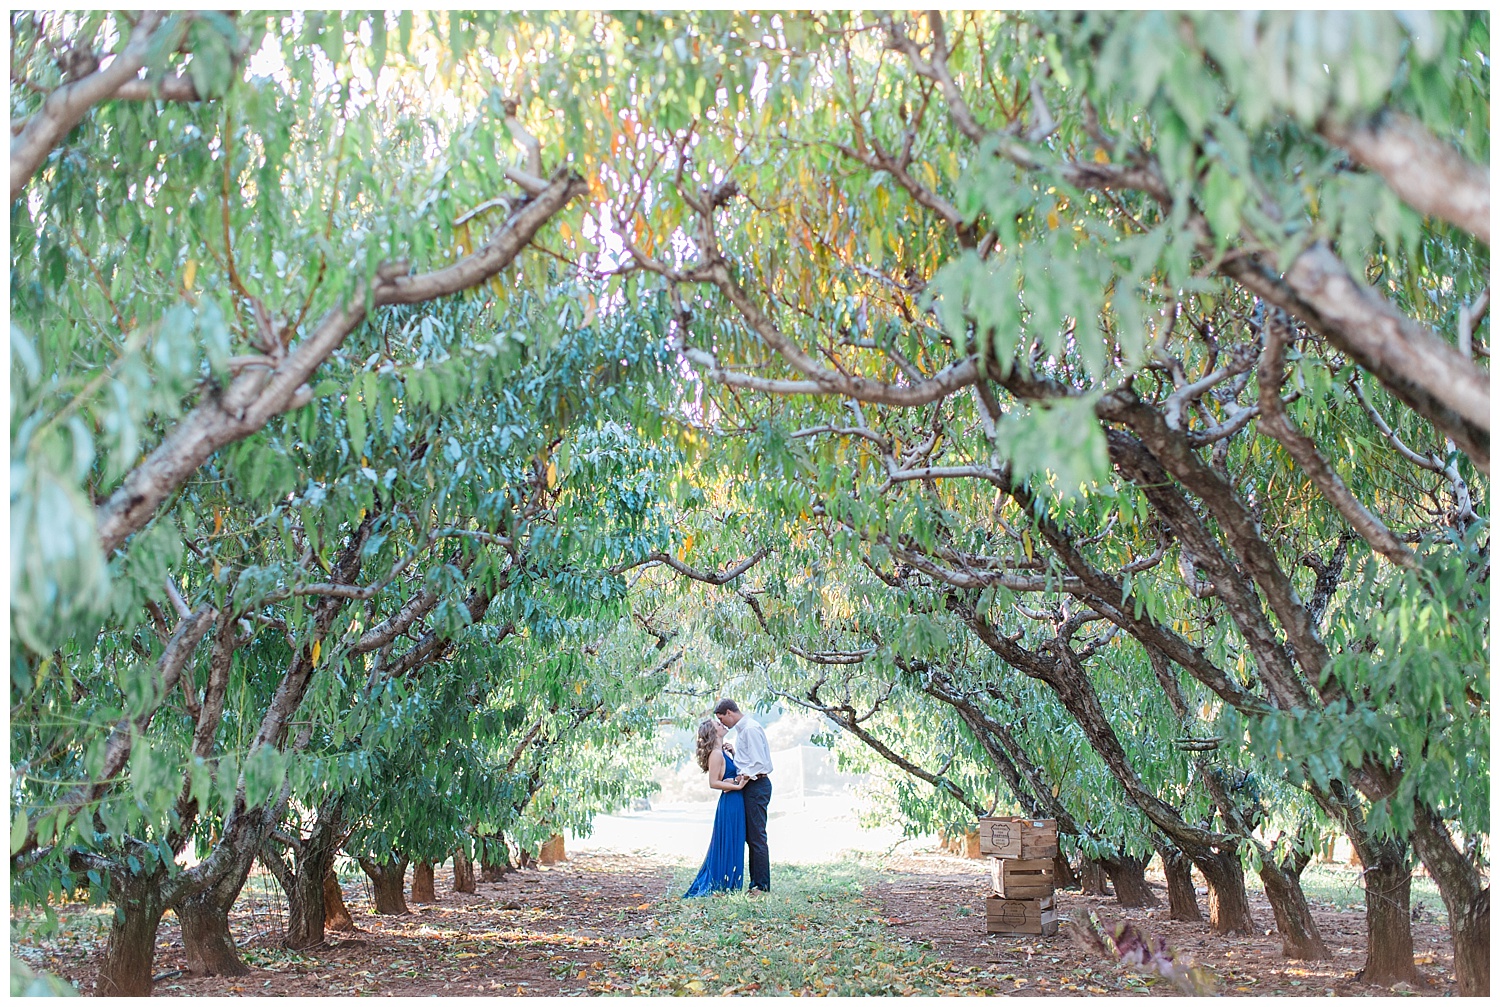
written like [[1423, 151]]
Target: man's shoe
[[754, 892]]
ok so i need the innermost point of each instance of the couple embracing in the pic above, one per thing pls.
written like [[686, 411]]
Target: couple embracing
[[741, 772]]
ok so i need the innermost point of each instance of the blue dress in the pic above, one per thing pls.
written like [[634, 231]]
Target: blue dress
[[724, 868]]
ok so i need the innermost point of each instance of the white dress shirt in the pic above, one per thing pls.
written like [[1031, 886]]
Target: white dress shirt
[[752, 752]]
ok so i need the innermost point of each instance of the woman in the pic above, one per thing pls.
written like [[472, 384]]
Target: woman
[[724, 868]]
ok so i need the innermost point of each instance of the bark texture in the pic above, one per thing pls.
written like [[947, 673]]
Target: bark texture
[[335, 912], [463, 872], [1128, 874], [306, 880], [1412, 362], [1429, 175], [206, 941], [207, 944], [1300, 937], [388, 884], [1092, 878], [1228, 904], [1182, 896], [1466, 897], [1389, 958], [66, 106], [422, 889], [125, 970], [1387, 881]]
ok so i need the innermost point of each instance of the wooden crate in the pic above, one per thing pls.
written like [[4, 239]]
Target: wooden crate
[[1018, 838], [1022, 879], [1020, 916]]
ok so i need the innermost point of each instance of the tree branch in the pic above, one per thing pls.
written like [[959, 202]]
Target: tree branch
[[253, 398], [1274, 421], [845, 718], [716, 578], [65, 107], [1414, 363], [1429, 175]]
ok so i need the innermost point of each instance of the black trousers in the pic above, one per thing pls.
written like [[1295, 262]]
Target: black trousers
[[757, 804]]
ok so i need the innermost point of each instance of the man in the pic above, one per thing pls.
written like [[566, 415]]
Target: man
[[752, 756]]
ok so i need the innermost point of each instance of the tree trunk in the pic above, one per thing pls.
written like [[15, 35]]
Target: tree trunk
[[463, 872], [304, 882], [207, 943], [1387, 882], [1228, 904], [1182, 897], [130, 953], [306, 902], [1062, 872], [335, 913], [422, 890], [1471, 946], [387, 882], [1129, 877], [1300, 938], [554, 850], [1465, 895], [494, 858], [1389, 958], [1092, 878]]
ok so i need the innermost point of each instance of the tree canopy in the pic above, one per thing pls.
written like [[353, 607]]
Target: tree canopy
[[1086, 414]]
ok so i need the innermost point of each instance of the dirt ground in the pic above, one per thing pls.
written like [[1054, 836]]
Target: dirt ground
[[541, 932], [919, 903], [552, 931]]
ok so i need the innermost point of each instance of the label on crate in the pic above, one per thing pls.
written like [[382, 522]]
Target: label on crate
[[1018, 837]]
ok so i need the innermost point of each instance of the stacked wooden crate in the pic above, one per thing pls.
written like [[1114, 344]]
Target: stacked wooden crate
[[1022, 852]]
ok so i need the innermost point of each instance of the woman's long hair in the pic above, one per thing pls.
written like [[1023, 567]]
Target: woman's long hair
[[708, 740]]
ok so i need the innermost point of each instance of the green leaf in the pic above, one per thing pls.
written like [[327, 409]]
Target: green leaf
[[354, 413], [1223, 195]]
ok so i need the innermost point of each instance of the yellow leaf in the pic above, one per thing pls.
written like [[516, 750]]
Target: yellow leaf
[[218, 520], [317, 651], [189, 274], [696, 985], [578, 688], [564, 230], [1052, 220], [551, 475], [1101, 156]]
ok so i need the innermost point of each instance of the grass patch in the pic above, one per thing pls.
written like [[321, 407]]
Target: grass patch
[[815, 933], [1339, 886]]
